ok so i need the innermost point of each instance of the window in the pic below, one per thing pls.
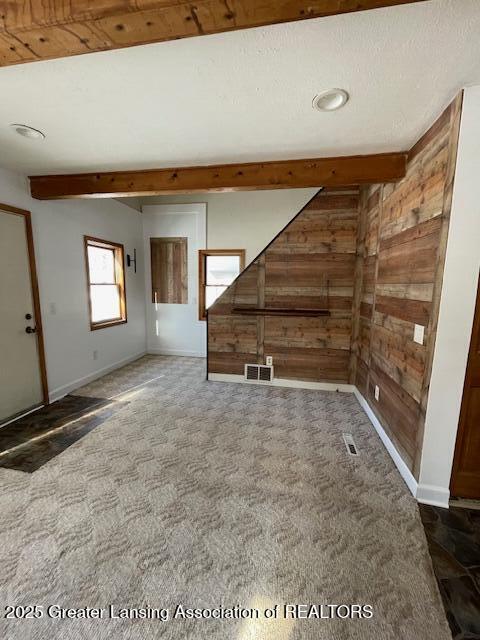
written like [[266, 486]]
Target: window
[[106, 283], [169, 270], [218, 268]]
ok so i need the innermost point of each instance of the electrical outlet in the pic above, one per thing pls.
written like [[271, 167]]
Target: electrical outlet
[[95, 355], [419, 333], [377, 392], [269, 361], [53, 309]]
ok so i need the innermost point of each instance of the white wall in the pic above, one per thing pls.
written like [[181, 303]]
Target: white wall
[[133, 202], [174, 329], [244, 219], [58, 229], [456, 312], [235, 220]]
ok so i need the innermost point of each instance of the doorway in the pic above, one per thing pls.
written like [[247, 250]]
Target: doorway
[[173, 327], [23, 378], [465, 482]]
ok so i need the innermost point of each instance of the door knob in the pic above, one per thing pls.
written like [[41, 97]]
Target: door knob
[[30, 329]]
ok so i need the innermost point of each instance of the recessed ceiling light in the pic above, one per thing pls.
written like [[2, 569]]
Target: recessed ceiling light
[[28, 132], [331, 100]]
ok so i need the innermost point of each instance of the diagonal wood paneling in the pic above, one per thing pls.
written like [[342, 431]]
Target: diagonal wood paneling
[[311, 264]]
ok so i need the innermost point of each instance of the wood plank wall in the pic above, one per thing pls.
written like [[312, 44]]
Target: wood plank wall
[[402, 243], [169, 270], [310, 264], [381, 250]]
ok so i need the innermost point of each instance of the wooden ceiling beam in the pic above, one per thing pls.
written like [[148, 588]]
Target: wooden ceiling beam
[[286, 174], [37, 30]]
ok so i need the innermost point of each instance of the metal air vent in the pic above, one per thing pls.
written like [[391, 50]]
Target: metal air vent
[[350, 444], [251, 371], [258, 372]]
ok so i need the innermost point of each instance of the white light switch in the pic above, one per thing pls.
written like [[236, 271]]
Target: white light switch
[[269, 361], [377, 392], [418, 333], [53, 308]]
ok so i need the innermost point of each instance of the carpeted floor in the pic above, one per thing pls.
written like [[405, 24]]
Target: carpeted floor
[[213, 494]]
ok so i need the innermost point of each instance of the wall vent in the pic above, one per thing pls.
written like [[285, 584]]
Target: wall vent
[[258, 372], [251, 371], [350, 444]]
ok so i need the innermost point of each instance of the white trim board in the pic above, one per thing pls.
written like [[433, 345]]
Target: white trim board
[[388, 444], [426, 494], [22, 415], [436, 496], [175, 352], [60, 392], [283, 382]]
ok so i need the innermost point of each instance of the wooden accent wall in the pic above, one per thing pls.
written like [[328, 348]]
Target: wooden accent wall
[[169, 270], [402, 243], [310, 265], [379, 252]]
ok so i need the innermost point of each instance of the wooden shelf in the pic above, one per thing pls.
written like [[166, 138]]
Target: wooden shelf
[[272, 311]]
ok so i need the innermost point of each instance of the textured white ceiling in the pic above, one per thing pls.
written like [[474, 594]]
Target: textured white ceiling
[[245, 95]]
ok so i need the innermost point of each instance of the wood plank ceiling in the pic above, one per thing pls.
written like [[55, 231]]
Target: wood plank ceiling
[[32, 31], [289, 174]]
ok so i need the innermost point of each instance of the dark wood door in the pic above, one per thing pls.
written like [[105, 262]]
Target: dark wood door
[[466, 467]]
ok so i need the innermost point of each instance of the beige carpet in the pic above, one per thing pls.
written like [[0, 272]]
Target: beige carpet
[[212, 494]]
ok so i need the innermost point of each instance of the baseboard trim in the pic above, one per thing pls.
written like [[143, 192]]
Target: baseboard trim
[[283, 382], [405, 472], [426, 494], [62, 391], [21, 415], [435, 496], [176, 352]]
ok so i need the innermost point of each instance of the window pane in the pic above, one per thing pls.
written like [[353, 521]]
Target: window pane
[[211, 294], [222, 269], [105, 302], [101, 263]]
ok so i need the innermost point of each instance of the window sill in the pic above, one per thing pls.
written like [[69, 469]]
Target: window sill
[[108, 323]]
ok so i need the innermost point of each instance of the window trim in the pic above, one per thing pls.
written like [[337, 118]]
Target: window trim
[[202, 284], [119, 255]]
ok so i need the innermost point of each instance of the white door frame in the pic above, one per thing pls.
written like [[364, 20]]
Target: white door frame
[[199, 210]]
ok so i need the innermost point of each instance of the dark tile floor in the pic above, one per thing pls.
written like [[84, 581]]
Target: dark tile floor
[[30, 442], [454, 541]]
